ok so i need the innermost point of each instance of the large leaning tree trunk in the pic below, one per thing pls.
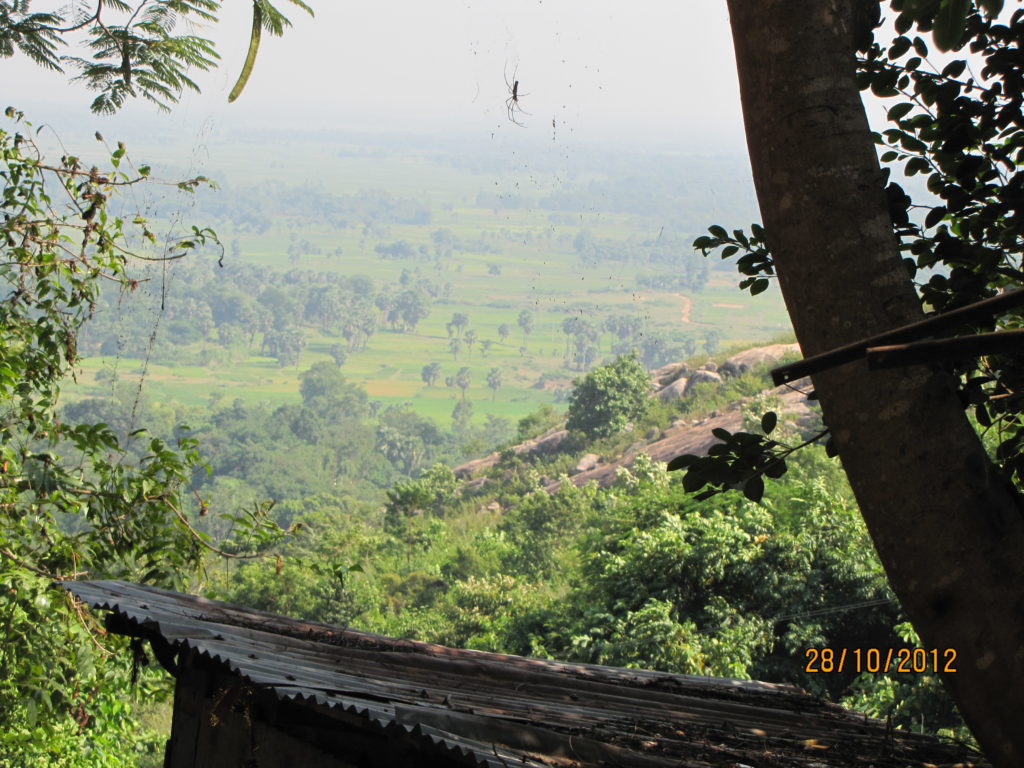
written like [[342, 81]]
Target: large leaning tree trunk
[[948, 528]]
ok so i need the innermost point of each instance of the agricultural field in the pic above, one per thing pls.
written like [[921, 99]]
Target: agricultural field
[[499, 227]]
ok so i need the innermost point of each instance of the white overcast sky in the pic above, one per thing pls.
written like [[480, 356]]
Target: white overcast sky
[[653, 72]]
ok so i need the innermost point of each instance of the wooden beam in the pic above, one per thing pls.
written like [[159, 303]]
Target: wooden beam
[[961, 347], [980, 310]]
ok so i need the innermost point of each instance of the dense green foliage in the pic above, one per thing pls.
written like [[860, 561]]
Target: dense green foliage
[[605, 400], [75, 499], [222, 312], [636, 575]]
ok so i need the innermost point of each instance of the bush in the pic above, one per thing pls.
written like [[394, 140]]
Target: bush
[[609, 397]]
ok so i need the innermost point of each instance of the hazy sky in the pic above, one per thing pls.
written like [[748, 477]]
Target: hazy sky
[[650, 71]]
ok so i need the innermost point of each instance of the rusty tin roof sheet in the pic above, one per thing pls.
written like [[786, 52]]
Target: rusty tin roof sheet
[[499, 710]]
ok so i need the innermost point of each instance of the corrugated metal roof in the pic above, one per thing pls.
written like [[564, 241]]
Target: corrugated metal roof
[[491, 709]]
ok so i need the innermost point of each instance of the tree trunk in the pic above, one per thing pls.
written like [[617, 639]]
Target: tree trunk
[[948, 527]]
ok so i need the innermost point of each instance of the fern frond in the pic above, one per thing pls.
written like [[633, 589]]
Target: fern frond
[[273, 20], [32, 34], [302, 5]]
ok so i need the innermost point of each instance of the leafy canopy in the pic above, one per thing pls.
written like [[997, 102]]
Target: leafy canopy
[[76, 500], [133, 48], [604, 401]]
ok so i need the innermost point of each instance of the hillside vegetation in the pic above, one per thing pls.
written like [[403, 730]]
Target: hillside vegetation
[[397, 390], [564, 547]]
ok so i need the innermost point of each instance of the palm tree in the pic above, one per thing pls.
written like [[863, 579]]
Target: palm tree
[[494, 381], [463, 379], [525, 322]]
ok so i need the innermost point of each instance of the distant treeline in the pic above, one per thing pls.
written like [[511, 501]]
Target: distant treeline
[[253, 208], [680, 267], [239, 304]]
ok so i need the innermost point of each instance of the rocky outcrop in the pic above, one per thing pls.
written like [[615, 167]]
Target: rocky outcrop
[[694, 436], [673, 391], [700, 377], [544, 444], [587, 463], [662, 377], [685, 435], [748, 358]]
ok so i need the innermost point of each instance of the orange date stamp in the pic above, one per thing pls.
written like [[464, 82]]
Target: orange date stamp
[[879, 660]]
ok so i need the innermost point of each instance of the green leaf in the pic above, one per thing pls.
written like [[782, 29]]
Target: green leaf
[[693, 480], [935, 215], [753, 489], [680, 462], [950, 22], [768, 422], [718, 232], [900, 111], [954, 68]]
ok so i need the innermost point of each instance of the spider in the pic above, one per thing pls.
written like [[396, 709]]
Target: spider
[[512, 104]]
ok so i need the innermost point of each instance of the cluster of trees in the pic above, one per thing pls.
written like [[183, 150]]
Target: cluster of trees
[[677, 266], [430, 374], [336, 440], [251, 209], [630, 336], [443, 244], [235, 305], [460, 335], [672, 189]]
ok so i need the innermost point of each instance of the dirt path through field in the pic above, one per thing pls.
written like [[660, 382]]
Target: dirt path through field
[[687, 307]]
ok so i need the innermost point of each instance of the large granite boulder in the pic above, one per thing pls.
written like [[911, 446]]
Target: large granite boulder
[[748, 358], [698, 377], [667, 374], [587, 463], [673, 391]]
